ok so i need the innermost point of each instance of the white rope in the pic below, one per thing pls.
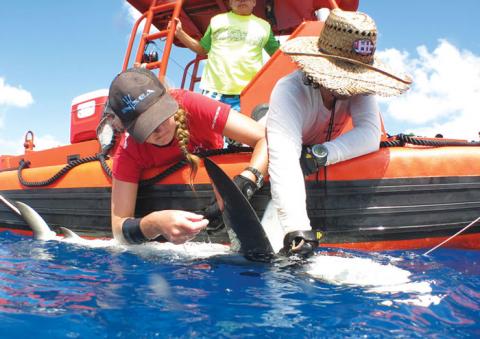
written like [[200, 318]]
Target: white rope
[[10, 205], [453, 236]]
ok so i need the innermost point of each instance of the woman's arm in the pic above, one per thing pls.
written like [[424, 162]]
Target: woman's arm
[[175, 225], [124, 197], [247, 131]]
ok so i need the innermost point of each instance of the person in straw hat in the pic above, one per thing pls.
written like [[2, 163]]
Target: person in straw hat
[[338, 77]]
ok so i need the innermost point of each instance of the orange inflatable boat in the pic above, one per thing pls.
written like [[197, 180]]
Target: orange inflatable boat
[[413, 193]]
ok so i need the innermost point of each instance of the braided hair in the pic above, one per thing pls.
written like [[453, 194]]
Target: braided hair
[[183, 137]]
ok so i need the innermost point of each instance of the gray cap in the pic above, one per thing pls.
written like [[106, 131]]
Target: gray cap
[[141, 102]]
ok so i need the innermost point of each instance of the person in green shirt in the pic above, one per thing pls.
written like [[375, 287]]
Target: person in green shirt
[[234, 42]]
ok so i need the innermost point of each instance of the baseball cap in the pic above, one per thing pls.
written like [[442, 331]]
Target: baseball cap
[[141, 102]]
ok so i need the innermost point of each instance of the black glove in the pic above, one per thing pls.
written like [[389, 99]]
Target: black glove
[[302, 243], [312, 158], [214, 216], [246, 186], [213, 213]]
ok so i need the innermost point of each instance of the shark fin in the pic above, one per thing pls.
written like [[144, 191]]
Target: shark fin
[[40, 228], [239, 216]]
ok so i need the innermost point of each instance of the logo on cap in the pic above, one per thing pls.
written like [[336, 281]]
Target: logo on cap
[[131, 104], [364, 47]]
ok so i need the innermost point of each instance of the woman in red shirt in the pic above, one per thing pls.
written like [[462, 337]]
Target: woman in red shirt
[[165, 127]]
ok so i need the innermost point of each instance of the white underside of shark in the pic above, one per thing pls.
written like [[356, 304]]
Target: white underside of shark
[[365, 273]]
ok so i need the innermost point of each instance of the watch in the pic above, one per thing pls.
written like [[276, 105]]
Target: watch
[[320, 152], [257, 174]]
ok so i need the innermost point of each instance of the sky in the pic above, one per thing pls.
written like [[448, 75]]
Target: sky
[[53, 51]]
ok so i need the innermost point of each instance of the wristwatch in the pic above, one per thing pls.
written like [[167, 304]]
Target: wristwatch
[[320, 152], [257, 174]]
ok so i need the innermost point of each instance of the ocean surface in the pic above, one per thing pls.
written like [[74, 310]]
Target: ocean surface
[[98, 289]]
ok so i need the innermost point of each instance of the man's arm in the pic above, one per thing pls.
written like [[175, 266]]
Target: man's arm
[[272, 44], [284, 135], [187, 40], [365, 135]]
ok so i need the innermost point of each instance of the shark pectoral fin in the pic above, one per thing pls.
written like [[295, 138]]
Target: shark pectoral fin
[[40, 228], [69, 234]]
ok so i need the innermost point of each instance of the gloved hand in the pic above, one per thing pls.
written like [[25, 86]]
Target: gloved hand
[[312, 158], [246, 185], [211, 211], [214, 216], [302, 243]]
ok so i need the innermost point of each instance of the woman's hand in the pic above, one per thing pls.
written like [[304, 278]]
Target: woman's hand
[[175, 225]]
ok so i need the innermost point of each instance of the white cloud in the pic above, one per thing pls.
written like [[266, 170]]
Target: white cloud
[[11, 96], [444, 96], [46, 141], [15, 147], [14, 96], [2, 119], [11, 147], [133, 15]]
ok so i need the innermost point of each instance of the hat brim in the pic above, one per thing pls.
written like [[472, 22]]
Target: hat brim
[[341, 75], [156, 114]]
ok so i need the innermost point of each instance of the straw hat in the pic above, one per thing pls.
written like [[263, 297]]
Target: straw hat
[[342, 58]]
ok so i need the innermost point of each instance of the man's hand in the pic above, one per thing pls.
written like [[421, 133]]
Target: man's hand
[[186, 39], [312, 158], [178, 26], [246, 186], [213, 213]]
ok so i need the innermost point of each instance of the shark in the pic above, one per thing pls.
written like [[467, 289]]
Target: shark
[[261, 240], [41, 230], [256, 240]]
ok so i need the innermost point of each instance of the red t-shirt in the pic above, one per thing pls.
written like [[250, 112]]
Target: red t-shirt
[[206, 119]]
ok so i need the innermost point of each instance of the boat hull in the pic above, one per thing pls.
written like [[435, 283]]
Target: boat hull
[[382, 201]]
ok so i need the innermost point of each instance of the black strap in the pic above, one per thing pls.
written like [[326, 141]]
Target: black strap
[[132, 232], [332, 120], [258, 175]]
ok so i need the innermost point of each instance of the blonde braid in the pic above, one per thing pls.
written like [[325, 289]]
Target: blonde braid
[[183, 137]]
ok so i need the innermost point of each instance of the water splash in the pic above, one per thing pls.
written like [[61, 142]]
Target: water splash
[[373, 276], [186, 251]]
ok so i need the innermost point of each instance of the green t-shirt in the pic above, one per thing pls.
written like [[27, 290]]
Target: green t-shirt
[[234, 44]]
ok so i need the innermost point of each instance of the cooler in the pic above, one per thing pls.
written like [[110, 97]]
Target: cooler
[[87, 110]]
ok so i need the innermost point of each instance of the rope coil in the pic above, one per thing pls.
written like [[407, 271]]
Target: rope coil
[[399, 140], [102, 159]]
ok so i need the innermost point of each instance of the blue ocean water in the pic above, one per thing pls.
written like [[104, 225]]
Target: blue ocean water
[[57, 289]]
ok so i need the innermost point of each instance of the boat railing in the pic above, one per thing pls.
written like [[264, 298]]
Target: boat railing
[[162, 15], [194, 78], [168, 33]]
